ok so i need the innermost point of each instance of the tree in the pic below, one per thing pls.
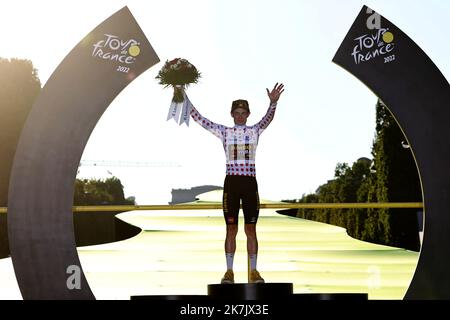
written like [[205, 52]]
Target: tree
[[397, 180], [100, 192], [391, 176], [19, 87], [345, 187]]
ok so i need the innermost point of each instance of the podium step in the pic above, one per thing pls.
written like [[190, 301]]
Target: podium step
[[250, 291]]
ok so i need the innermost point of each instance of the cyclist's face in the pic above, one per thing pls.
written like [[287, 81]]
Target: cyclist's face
[[240, 116]]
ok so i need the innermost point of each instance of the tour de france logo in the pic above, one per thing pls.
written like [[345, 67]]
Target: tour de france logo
[[112, 48], [378, 43]]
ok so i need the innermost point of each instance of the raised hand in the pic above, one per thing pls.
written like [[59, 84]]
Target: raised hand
[[274, 95]]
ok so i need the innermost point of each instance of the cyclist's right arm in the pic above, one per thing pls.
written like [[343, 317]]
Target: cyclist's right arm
[[216, 129]]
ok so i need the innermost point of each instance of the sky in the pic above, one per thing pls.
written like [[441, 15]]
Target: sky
[[325, 115]]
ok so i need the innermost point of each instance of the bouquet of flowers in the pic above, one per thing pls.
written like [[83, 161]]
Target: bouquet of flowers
[[179, 74]]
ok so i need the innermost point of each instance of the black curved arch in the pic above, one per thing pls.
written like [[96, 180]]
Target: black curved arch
[[416, 92], [40, 222]]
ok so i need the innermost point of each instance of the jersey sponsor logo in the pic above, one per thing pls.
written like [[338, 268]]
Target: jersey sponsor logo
[[241, 152]]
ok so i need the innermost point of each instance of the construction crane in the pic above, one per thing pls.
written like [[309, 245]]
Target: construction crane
[[119, 163]]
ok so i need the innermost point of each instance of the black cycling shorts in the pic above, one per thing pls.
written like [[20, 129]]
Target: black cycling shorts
[[235, 189]]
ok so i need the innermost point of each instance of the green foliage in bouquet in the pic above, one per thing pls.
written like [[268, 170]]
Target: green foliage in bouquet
[[178, 72]]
